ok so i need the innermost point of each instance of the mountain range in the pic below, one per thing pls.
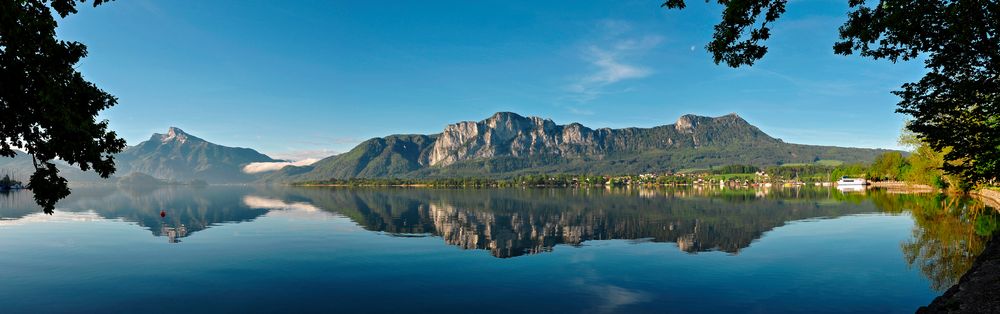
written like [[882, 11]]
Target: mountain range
[[505, 144]]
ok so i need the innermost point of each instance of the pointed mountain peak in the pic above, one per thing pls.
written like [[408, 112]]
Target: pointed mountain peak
[[174, 131], [505, 115], [175, 134], [732, 116]]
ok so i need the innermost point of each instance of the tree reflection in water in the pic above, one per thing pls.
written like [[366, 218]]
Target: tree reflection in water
[[948, 233]]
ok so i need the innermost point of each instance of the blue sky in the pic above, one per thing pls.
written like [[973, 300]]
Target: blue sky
[[297, 79]]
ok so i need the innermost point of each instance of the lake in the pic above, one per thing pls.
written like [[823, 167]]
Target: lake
[[287, 249]]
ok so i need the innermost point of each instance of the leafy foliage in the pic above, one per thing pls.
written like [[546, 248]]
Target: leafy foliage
[[46, 106], [889, 166], [735, 169], [738, 38]]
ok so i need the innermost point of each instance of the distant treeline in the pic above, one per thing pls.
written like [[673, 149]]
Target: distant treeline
[[738, 173], [923, 166], [562, 180], [735, 169]]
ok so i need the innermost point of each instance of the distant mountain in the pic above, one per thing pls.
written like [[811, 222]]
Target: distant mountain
[[503, 145], [175, 156], [507, 144], [178, 156], [138, 179], [20, 168]]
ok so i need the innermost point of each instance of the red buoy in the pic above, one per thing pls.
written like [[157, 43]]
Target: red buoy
[[163, 214]]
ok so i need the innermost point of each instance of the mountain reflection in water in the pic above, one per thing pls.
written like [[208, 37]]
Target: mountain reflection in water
[[188, 210], [948, 233], [514, 222]]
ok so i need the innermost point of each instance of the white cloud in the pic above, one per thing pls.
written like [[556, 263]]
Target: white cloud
[[295, 158], [610, 68], [612, 59], [258, 167]]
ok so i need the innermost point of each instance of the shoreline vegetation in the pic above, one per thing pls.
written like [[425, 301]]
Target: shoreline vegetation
[[917, 172], [731, 175], [990, 196], [728, 176]]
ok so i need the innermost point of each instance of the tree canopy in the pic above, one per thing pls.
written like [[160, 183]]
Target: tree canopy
[[47, 108], [955, 105]]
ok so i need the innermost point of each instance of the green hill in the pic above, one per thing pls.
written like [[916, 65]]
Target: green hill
[[507, 144]]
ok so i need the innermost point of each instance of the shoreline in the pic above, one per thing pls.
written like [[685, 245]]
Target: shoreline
[[904, 187], [990, 197], [976, 291], [416, 185]]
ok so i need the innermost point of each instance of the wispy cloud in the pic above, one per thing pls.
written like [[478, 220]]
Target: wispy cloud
[[258, 167], [296, 155], [611, 58], [579, 111]]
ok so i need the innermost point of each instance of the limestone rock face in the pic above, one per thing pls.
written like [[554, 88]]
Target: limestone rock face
[[503, 134], [507, 143], [685, 124], [175, 134], [509, 134]]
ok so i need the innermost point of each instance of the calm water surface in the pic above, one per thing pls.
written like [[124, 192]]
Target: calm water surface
[[239, 249]]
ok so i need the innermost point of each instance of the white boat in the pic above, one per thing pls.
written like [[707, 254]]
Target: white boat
[[852, 181]]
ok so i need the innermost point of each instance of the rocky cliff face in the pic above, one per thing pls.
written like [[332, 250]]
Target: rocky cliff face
[[506, 143], [509, 134], [503, 134]]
